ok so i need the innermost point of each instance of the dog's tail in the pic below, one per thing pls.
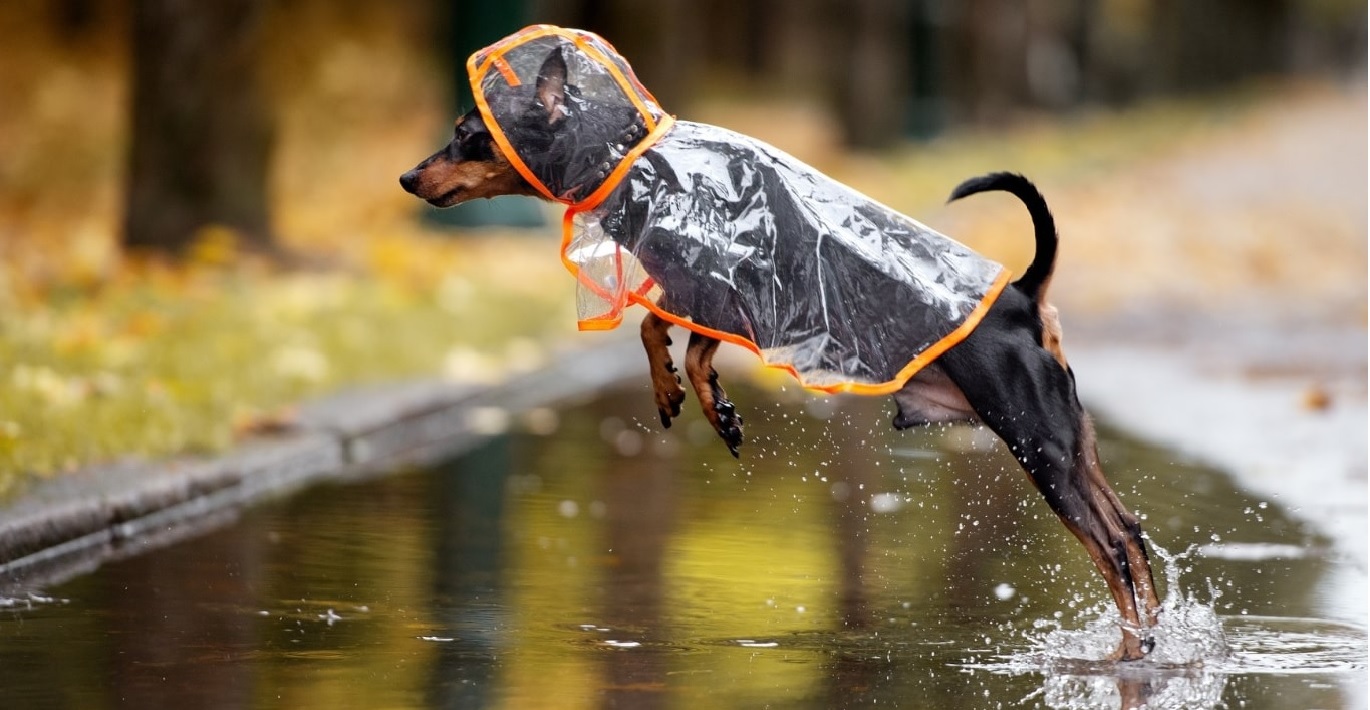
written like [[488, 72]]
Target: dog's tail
[[1033, 282]]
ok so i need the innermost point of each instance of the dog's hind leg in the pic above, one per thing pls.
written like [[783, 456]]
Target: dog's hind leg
[[665, 381], [718, 409], [1137, 556], [1024, 395]]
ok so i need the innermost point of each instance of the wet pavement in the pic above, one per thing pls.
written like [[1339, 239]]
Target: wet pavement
[[585, 559]]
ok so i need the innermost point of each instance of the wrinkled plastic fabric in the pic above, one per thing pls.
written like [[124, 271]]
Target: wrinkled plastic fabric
[[733, 238], [744, 239]]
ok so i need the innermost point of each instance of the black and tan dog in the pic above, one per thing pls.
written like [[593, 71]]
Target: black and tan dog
[[1009, 372]]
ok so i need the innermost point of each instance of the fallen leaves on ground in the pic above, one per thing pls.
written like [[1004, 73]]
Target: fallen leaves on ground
[[164, 359]]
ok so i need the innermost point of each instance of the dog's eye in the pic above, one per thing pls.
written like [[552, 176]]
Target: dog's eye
[[470, 136], [473, 145]]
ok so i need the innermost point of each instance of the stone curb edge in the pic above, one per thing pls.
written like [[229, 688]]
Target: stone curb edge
[[72, 524]]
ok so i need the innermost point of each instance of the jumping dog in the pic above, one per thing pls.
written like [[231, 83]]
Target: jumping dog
[[1009, 373]]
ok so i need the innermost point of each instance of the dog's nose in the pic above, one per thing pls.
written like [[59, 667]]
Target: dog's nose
[[409, 180]]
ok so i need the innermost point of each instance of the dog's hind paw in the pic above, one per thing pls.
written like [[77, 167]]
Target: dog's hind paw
[[1133, 647]]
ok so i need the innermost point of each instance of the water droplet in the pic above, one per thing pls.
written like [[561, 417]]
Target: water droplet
[[886, 502]]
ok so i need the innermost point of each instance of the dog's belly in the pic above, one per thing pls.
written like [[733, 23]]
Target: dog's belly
[[930, 397]]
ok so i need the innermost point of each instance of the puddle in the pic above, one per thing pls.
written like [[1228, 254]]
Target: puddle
[[586, 559], [1196, 649]]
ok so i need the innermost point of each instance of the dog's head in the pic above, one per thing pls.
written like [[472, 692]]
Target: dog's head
[[473, 165], [470, 166], [555, 130]]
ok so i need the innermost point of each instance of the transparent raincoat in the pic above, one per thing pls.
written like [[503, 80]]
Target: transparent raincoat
[[721, 233]]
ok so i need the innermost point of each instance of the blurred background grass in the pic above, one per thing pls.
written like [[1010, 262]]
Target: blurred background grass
[[1119, 108]]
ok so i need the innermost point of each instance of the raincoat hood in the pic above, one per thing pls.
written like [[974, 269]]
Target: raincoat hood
[[721, 233], [565, 107]]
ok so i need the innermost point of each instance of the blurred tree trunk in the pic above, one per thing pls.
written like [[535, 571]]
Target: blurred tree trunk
[[1205, 45], [990, 56], [201, 134], [1053, 48], [75, 17], [873, 86]]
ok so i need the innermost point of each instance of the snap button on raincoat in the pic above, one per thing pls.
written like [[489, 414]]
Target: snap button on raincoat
[[721, 233]]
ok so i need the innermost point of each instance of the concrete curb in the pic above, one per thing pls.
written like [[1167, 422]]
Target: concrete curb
[[70, 525]]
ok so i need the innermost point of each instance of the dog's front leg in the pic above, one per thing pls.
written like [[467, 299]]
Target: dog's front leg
[[665, 382], [718, 409]]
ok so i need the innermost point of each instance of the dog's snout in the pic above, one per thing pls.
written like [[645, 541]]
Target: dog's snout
[[409, 181]]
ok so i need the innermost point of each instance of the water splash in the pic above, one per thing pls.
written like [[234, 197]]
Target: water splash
[[1188, 638], [1196, 651], [1188, 632]]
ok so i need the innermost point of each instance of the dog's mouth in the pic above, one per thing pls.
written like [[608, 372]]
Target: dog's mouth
[[446, 199]]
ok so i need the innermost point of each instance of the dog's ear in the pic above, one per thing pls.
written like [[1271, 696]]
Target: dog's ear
[[551, 86]]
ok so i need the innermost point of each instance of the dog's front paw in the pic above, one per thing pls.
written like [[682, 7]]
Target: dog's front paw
[[668, 405], [728, 424], [669, 395]]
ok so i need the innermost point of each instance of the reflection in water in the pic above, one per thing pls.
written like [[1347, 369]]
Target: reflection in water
[[1125, 690], [174, 638], [851, 679], [640, 502], [467, 510], [611, 565]]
